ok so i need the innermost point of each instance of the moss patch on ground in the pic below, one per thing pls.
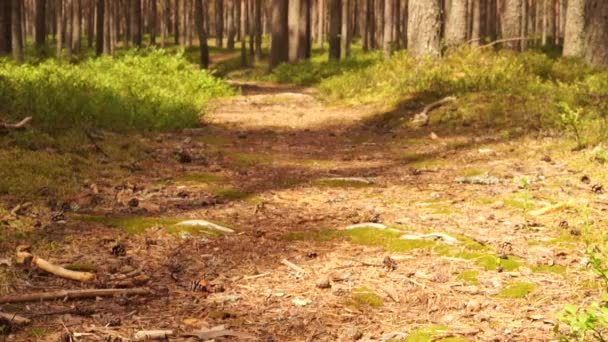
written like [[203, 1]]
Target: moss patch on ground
[[340, 183], [364, 297], [470, 277], [557, 269], [200, 177], [517, 290], [425, 334], [138, 225], [229, 193], [252, 159]]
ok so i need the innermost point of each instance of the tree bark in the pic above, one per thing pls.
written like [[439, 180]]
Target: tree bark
[[278, 46], [136, 22], [574, 41], [176, 22], [230, 23], [16, 30], [321, 23], [345, 32], [388, 40], [100, 27], [596, 32], [511, 27], [424, 34], [76, 25], [40, 38], [5, 27], [153, 21], [219, 23], [108, 20], [243, 31], [456, 23], [59, 15], [257, 30], [335, 24], [293, 20], [202, 35]]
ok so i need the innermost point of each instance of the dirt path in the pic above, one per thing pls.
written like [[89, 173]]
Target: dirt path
[[289, 173]]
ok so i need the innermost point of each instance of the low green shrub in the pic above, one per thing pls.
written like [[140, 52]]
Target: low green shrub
[[148, 89]]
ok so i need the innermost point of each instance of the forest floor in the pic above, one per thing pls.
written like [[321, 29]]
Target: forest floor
[[289, 174]]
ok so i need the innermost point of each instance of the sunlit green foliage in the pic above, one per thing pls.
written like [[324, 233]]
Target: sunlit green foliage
[[140, 90]]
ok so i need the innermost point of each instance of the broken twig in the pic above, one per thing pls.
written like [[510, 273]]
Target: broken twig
[[25, 257], [19, 125], [14, 318], [292, 266], [71, 294], [219, 331], [146, 335]]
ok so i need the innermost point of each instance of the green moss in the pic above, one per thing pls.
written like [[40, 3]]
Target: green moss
[[470, 277], [557, 269], [517, 290], [365, 297], [472, 172], [251, 159], [200, 177], [322, 235], [340, 183], [213, 140], [229, 193], [37, 332], [425, 334], [138, 225], [492, 262], [518, 201], [79, 266]]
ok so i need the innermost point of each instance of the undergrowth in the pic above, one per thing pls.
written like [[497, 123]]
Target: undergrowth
[[148, 89]]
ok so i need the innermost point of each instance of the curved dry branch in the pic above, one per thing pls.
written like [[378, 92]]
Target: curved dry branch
[[19, 125]]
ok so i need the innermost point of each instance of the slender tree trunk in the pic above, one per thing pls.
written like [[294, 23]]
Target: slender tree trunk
[[279, 27], [456, 23], [243, 31], [388, 42], [69, 30], [99, 43], [76, 26], [176, 22], [424, 34], [257, 30], [108, 20], [574, 42], [40, 25], [230, 22], [202, 35], [60, 28], [90, 22], [5, 27], [476, 24], [345, 32], [511, 27], [219, 23], [596, 31], [136, 22], [153, 21], [321, 23], [335, 24], [293, 19], [305, 30], [16, 30]]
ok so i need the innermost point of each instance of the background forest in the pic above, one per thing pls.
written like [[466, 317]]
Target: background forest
[[314, 170]]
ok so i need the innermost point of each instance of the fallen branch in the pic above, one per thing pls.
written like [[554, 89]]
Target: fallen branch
[[71, 294], [292, 266], [505, 40], [19, 125], [25, 257], [422, 118], [14, 318], [215, 332], [549, 209], [146, 335]]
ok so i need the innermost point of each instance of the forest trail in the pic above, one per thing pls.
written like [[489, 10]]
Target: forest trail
[[289, 174]]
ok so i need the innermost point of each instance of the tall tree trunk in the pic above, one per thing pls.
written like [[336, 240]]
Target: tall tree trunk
[[176, 22], [219, 23], [574, 41], [76, 26], [305, 30], [321, 6], [108, 24], [335, 24], [293, 20], [202, 35], [99, 43], [596, 31], [257, 13], [388, 41], [40, 25], [345, 32], [424, 34], [153, 21], [476, 22], [90, 23], [456, 23], [16, 30], [68, 14], [60, 28], [5, 27], [280, 37], [243, 31], [136, 22], [511, 27], [230, 22]]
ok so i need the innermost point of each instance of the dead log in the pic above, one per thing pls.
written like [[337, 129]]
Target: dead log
[[71, 294], [19, 125], [14, 318], [146, 335], [422, 118], [25, 257]]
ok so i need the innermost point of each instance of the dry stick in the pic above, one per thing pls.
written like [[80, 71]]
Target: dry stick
[[21, 124], [505, 40], [436, 104], [25, 257], [71, 294], [14, 318], [146, 335], [97, 147], [292, 266]]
